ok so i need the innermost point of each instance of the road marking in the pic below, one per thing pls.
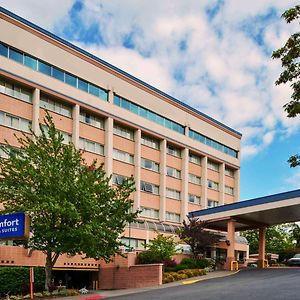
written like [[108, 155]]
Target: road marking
[[202, 279]]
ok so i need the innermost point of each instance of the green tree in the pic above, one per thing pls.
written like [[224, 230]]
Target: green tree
[[159, 250], [195, 234], [72, 206], [278, 239], [289, 55], [295, 231]]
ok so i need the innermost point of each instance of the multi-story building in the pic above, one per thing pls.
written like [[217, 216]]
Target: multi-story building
[[181, 159]]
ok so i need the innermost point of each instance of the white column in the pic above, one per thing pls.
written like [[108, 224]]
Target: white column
[[137, 170], [108, 147], [204, 182], [75, 133], [237, 185], [185, 184], [221, 184], [162, 185], [36, 111]]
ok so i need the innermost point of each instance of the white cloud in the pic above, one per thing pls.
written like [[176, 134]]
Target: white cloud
[[43, 13], [219, 64], [294, 179]]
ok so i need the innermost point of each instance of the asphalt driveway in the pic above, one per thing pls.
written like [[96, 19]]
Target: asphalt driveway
[[253, 284]]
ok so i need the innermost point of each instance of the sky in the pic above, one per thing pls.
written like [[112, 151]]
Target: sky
[[214, 55]]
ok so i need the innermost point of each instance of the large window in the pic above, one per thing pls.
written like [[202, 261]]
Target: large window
[[123, 131], [173, 194], [149, 212], [194, 199], [122, 156], [212, 203], [229, 190], [209, 142], [213, 166], [55, 106], [173, 217], [229, 172], [149, 187], [91, 146], [92, 120], [148, 114], [2, 153], [194, 159], [50, 70], [15, 91], [14, 122], [150, 142], [194, 179], [118, 179], [173, 172], [213, 185], [149, 164], [172, 150]]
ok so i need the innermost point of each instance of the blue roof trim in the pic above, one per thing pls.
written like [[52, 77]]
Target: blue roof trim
[[246, 203], [46, 32]]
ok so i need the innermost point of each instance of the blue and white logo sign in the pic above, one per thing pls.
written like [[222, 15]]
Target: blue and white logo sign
[[14, 226]]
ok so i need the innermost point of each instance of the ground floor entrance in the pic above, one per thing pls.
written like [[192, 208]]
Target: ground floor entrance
[[76, 279]]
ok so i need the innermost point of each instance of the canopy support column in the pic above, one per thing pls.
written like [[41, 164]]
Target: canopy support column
[[231, 243], [262, 247]]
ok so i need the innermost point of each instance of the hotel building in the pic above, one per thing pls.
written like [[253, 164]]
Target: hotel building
[[181, 159]]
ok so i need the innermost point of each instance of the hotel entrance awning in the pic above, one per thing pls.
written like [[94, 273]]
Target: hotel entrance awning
[[255, 213]]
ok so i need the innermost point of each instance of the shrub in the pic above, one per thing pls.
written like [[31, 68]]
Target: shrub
[[16, 280], [148, 257], [170, 263], [193, 263]]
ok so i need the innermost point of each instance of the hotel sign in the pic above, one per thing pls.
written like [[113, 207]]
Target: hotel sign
[[14, 226]]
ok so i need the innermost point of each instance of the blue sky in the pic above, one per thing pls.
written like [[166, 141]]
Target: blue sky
[[213, 55]]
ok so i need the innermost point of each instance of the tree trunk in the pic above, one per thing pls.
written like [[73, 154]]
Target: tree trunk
[[48, 272], [50, 262]]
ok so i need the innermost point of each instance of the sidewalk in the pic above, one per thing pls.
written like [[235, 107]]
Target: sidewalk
[[113, 293]]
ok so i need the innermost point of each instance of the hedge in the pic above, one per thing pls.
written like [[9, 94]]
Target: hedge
[[15, 280]]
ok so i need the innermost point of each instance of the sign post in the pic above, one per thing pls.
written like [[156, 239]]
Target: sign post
[[31, 281]]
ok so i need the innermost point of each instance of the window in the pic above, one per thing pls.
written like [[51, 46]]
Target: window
[[133, 244], [91, 146], [194, 179], [213, 185], [149, 187], [173, 217], [49, 70], [173, 150], [229, 172], [92, 120], [150, 142], [123, 131], [123, 156], [173, 172], [149, 212], [3, 154], [55, 106], [149, 164], [118, 179], [16, 55], [213, 166], [194, 199], [174, 194], [229, 190], [145, 113], [71, 79], [67, 138], [30, 62], [209, 142], [212, 203], [14, 122], [195, 159], [15, 90]]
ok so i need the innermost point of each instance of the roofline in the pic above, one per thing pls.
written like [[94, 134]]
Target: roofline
[[246, 203], [114, 68]]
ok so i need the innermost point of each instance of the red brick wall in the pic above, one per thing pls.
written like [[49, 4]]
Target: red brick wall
[[131, 277]]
